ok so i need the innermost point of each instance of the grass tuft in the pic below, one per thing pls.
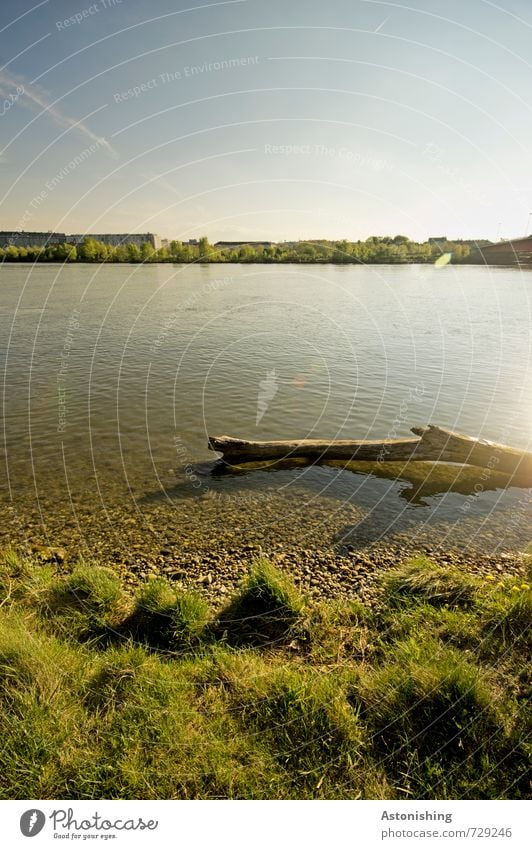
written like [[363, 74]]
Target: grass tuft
[[13, 575], [507, 614], [420, 579], [438, 720], [94, 588], [89, 601], [165, 619], [266, 610]]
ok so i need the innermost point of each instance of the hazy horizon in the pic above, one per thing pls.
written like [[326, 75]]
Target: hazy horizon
[[91, 233]]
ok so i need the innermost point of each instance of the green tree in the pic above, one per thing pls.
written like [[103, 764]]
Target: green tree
[[62, 253], [204, 249], [133, 253], [246, 254], [146, 252], [88, 250], [341, 253], [121, 253], [103, 252]]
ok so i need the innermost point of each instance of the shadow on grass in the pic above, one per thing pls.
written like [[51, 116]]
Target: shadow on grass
[[266, 611]]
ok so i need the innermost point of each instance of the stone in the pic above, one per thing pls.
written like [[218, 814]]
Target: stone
[[49, 554]]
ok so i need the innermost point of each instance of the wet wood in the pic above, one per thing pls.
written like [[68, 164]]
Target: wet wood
[[433, 443]]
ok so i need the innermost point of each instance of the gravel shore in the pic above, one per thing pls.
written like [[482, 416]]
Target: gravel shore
[[323, 573], [330, 547]]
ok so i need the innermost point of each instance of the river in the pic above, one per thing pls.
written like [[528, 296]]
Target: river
[[114, 375]]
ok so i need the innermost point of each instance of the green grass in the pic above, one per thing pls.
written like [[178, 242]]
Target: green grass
[[426, 581], [165, 619], [86, 604], [266, 610], [105, 694], [441, 724]]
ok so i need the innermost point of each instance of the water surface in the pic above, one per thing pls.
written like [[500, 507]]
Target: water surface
[[114, 376]]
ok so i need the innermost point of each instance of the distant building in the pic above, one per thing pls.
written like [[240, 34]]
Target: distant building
[[229, 245], [26, 239], [118, 239], [511, 252], [435, 240]]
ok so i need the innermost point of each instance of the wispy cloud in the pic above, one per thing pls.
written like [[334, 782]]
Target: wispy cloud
[[41, 103], [385, 21]]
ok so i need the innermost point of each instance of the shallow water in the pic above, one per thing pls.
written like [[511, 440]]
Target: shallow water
[[114, 376]]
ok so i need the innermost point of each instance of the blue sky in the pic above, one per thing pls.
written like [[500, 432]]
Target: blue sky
[[267, 119]]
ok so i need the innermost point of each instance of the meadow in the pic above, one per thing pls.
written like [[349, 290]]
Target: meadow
[[108, 693]]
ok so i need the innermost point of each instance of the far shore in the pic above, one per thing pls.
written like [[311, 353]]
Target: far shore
[[375, 250], [7, 261]]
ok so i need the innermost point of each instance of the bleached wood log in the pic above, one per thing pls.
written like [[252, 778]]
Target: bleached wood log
[[433, 443]]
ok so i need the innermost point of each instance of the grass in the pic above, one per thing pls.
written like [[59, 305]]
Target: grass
[[87, 604], [265, 611], [441, 725], [104, 694], [424, 580], [165, 619]]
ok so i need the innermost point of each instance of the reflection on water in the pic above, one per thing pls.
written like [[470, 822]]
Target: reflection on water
[[422, 479], [114, 376]]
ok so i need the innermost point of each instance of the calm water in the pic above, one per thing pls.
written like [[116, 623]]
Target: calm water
[[114, 376]]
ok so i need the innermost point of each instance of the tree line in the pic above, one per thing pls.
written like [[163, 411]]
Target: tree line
[[376, 249]]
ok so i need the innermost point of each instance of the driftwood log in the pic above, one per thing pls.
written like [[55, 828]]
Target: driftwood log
[[433, 443]]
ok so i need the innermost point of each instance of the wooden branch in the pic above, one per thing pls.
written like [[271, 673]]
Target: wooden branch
[[434, 443]]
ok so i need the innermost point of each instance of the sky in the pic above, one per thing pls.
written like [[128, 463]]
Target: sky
[[267, 119]]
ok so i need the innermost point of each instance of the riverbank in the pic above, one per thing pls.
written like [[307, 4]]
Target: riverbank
[[376, 249], [319, 572], [156, 692], [332, 548]]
